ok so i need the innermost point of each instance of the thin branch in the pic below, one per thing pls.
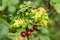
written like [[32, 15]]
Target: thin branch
[[27, 30]]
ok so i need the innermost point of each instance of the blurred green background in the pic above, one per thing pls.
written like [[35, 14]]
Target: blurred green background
[[9, 8]]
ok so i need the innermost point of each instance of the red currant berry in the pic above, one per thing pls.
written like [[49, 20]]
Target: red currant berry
[[28, 33], [31, 30], [23, 34], [35, 27]]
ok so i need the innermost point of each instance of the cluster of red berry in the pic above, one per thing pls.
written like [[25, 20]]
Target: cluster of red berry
[[23, 34]]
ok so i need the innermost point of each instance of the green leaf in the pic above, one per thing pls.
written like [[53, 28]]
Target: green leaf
[[52, 2], [2, 8], [25, 38], [33, 38], [4, 4], [5, 38], [14, 2], [44, 37], [0, 2], [43, 30], [57, 7], [11, 8], [3, 31], [56, 4], [38, 3]]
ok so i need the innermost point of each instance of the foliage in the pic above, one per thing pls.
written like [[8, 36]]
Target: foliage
[[56, 5], [11, 4], [17, 16]]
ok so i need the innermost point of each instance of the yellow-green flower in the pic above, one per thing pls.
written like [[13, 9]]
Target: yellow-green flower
[[41, 9], [19, 22], [41, 16]]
